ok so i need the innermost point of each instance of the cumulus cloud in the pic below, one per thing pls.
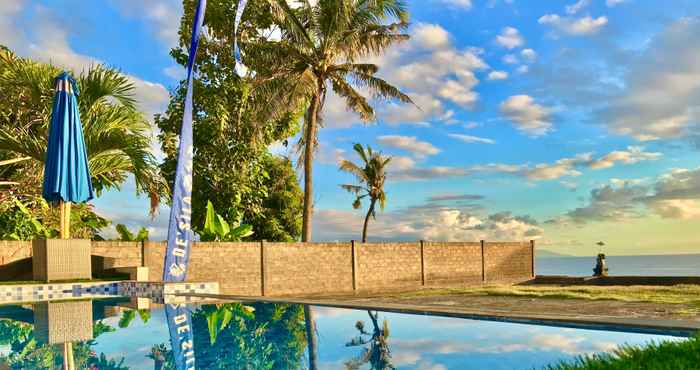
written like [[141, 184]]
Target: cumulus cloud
[[431, 70], [633, 154], [662, 94], [577, 6], [411, 144], [674, 195], [528, 55], [497, 75], [527, 116], [510, 38], [471, 139], [430, 221], [574, 26]]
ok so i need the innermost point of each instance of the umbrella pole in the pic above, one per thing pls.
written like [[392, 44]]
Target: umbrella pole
[[65, 219]]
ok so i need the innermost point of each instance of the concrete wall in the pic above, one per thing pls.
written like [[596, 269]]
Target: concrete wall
[[279, 269]]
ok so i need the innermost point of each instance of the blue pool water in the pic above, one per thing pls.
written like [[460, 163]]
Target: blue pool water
[[273, 336]]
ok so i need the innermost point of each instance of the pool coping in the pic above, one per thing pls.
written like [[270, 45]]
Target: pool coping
[[676, 328]]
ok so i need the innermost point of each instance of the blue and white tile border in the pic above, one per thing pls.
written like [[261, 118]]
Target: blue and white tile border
[[158, 291]]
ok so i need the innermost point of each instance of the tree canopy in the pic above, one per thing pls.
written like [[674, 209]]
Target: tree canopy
[[232, 165]]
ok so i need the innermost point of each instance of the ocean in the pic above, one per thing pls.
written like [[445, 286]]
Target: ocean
[[661, 265]]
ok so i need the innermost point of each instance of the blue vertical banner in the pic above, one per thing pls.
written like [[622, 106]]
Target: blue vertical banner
[[179, 318], [239, 68], [180, 233]]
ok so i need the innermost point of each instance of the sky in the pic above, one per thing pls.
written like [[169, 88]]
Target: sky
[[566, 122]]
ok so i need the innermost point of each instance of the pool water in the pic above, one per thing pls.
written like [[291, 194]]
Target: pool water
[[273, 336]]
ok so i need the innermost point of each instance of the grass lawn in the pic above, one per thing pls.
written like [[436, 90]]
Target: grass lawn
[[676, 294], [683, 355]]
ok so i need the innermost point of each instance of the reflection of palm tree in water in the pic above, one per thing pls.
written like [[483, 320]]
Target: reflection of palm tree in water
[[377, 354]]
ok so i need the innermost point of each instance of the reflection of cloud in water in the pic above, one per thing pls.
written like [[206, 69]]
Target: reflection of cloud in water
[[411, 352], [331, 311], [427, 365]]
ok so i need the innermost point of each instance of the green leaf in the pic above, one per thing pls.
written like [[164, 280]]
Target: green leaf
[[242, 231]]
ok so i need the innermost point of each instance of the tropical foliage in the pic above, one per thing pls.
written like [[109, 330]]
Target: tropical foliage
[[681, 355], [232, 165], [216, 228], [28, 353], [117, 135], [126, 235], [117, 138], [371, 176], [323, 46], [264, 336]]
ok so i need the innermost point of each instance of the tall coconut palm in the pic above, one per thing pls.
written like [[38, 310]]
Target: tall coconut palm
[[324, 46], [117, 135], [371, 175]]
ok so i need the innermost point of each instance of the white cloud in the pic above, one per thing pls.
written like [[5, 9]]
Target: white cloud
[[176, 72], [674, 195], [683, 209], [409, 143], [574, 26], [431, 70], [51, 45], [529, 117], [497, 75], [633, 154], [510, 59], [510, 38], [529, 55], [523, 69], [662, 87], [430, 36], [463, 4], [162, 16], [471, 139], [577, 6], [428, 221], [613, 3]]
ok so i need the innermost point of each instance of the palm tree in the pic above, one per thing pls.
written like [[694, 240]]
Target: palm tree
[[377, 355], [371, 175], [117, 135], [321, 46]]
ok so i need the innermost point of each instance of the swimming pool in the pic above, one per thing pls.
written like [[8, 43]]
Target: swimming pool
[[273, 336]]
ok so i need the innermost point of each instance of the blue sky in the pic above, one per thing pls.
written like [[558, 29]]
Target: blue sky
[[567, 122]]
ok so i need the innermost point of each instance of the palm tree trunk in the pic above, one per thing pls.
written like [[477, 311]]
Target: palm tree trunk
[[309, 141], [311, 337], [369, 213]]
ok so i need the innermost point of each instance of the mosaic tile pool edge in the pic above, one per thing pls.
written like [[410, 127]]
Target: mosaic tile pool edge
[[158, 291]]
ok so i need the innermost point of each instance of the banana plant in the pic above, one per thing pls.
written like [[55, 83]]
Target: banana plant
[[216, 228]]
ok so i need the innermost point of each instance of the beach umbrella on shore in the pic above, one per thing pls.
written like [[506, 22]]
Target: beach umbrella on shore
[[66, 172]]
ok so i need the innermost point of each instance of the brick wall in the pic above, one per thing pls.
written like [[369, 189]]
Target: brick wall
[[452, 262], [388, 265], [307, 268], [11, 251], [278, 269], [118, 253], [508, 261]]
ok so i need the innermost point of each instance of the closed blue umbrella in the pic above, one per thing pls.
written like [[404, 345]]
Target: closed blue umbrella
[[66, 172]]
